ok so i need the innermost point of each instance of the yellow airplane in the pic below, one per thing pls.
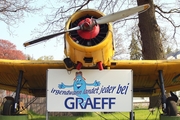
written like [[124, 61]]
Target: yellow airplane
[[88, 44]]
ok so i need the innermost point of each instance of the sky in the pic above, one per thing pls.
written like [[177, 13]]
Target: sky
[[23, 33]]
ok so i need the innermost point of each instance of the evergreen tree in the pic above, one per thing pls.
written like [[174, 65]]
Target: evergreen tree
[[168, 51], [135, 51]]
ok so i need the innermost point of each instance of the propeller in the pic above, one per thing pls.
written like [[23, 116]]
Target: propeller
[[122, 14], [49, 37], [102, 20]]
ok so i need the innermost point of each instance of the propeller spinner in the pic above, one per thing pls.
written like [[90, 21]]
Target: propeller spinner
[[85, 26]]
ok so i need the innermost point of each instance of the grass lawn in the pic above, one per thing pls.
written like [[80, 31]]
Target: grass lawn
[[140, 114]]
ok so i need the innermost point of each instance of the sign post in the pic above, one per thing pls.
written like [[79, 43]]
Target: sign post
[[89, 91]]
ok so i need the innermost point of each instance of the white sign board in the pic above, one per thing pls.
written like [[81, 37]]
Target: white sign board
[[89, 91]]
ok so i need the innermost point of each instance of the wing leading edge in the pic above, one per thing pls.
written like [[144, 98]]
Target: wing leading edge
[[145, 75]]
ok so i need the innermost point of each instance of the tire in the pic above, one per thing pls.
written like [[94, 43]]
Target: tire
[[173, 108], [8, 107]]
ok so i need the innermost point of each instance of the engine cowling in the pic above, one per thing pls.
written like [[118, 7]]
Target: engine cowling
[[89, 47]]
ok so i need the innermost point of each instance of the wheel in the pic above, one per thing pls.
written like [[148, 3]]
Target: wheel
[[171, 106], [8, 107]]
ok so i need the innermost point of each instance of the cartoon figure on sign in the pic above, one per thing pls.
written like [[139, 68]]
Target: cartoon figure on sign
[[80, 85]]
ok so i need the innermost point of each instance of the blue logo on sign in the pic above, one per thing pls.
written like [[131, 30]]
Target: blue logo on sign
[[79, 87]]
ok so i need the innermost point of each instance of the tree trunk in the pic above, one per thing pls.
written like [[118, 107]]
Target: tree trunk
[[152, 48]]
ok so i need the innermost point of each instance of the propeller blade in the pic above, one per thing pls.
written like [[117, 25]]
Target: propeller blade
[[122, 14], [48, 37]]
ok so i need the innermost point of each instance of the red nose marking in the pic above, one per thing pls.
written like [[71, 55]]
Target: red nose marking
[[88, 32]]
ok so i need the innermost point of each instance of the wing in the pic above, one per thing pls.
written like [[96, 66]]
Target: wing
[[34, 76], [145, 75]]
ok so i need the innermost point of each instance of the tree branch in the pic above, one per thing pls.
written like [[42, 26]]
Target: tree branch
[[168, 18]]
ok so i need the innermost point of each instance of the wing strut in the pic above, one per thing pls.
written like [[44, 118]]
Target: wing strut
[[163, 96]]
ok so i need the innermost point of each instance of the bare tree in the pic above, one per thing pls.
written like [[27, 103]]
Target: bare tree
[[13, 11], [152, 48], [168, 14], [47, 58], [119, 46]]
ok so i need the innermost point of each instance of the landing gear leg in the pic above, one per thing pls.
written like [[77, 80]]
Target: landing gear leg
[[163, 96], [11, 106], [169, 106], [17, 97]]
